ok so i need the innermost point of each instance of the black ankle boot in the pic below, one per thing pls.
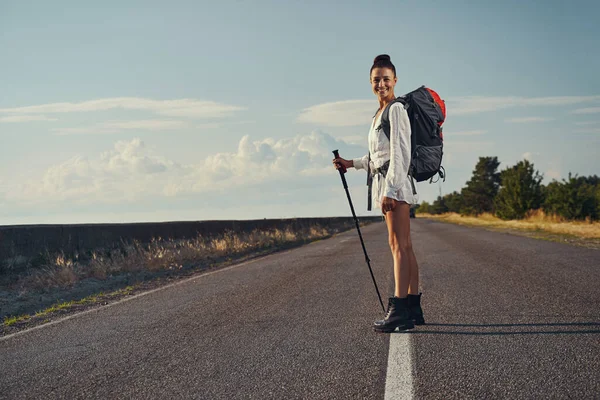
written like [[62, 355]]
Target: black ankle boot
[[396, 317], [415, 311]]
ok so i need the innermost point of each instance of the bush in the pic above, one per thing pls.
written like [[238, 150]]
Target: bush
[[575, 198], [520, 191]]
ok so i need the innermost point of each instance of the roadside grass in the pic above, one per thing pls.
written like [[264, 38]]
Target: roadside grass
[[93, 299], [8, 321], [158, 255], [134, 263], [535, 221]]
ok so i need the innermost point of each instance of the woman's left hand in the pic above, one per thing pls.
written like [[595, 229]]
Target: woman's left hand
[[388, 204]]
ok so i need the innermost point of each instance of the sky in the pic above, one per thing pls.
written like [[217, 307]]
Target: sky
[[148, 111]]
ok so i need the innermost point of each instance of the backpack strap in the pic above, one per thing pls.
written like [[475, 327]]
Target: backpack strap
[[370, 177], [369, 184], [412, 183], [441, 174], [385, 116]]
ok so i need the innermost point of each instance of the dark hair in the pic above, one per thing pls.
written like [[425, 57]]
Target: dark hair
[[383, 61]]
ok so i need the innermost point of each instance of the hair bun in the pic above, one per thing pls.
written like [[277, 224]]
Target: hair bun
[[382, 57]]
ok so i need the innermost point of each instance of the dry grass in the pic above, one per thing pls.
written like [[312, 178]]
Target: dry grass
[[160, 255], [535, 221], [12, 320]]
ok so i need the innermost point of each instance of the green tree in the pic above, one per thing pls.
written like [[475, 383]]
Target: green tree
[[573, 198], [598, 201], [454, 202], [480, 191], [439, 206], [424, 208], [520, 191]]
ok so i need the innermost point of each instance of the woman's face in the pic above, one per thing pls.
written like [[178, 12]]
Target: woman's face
[[383, 82]]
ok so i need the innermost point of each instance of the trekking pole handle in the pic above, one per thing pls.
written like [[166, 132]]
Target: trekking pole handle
[[342, 168]]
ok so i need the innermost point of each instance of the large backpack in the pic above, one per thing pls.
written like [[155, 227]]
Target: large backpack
[[426, 113]]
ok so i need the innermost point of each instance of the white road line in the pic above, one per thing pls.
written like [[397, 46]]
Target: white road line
[[399, 379]]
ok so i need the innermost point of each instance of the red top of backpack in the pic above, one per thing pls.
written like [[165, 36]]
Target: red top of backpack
[[440, 102]]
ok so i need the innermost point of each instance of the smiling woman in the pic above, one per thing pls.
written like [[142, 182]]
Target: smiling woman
[[387, 165]]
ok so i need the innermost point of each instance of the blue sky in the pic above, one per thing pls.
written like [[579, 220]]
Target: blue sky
[[123, 111]]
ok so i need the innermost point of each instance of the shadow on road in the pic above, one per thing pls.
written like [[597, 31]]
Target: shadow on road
[[423, 329]]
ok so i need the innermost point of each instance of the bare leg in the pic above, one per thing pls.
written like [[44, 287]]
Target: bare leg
[[398, 224], [398, 314], [413, 287]]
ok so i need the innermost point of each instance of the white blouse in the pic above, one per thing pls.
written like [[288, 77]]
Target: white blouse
[[396, 184]]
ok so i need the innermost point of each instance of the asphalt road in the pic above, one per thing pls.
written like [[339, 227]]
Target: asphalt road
[[508, 317]]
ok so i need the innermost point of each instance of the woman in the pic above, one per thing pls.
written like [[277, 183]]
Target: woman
[[392, 192]]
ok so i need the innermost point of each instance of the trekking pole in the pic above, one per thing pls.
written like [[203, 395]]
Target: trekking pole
[[342, 171]]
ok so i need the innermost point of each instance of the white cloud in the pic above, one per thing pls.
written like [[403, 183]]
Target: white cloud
[[528, 119], [26, 118], [127, 171], [341, 113], [355, 139], [112, 127], [63, 179], [131, 158], [175, 108], [586, 123], [271, 160], [130, 171], [479, 104], [589, 110]]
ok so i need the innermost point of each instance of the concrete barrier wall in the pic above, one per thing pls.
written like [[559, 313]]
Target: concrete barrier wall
[[26, 242]]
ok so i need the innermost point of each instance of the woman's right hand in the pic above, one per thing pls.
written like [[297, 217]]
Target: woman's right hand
[[339, 162]]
